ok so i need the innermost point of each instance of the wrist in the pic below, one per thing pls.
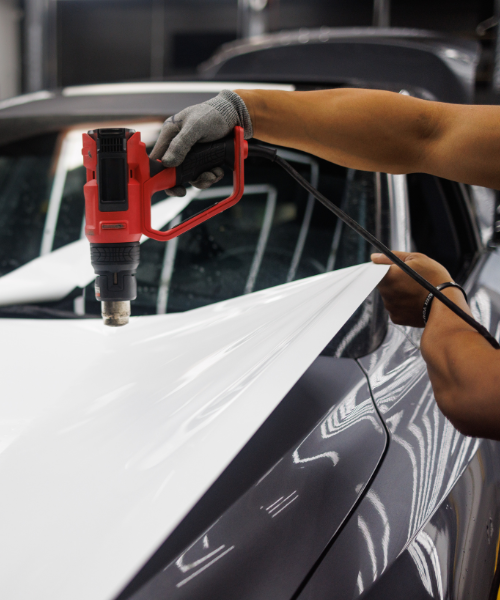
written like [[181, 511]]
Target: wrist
[[429, 300], [442, 322], [248, 97]]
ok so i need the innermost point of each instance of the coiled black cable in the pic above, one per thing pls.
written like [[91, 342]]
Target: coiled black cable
[[271, 154]]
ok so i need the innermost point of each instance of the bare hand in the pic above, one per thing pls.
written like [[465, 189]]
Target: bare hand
[[403, 297]]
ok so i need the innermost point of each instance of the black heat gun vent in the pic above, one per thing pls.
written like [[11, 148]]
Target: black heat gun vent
[[112, 171], [112, 145]]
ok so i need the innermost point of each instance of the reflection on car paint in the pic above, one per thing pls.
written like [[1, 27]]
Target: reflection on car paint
[[202, 563], [454, 555], [288, 516], [480, 305], [425, 458], [380, 508], [419, 428], [279, 505], [425, 556]]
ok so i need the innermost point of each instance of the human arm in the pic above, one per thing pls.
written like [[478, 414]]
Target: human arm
[[371, 130], [382, 131], [463, 368]]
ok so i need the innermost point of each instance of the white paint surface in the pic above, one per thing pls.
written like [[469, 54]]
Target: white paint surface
[[110, 436]]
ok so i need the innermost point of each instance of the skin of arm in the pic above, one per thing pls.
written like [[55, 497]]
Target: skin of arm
[[383, 131], [463, 368], [374, 130]]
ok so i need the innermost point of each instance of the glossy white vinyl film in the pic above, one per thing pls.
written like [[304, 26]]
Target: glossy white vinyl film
[[110, 436]]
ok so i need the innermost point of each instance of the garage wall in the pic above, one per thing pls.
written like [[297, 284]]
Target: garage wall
[[126, 40], [10, 48], [93, 41]]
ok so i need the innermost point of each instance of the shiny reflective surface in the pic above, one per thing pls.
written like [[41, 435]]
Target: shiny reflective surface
[[265, 543], [425, 460], [453, 556], [399, 213], [483, 200], [111, 436]]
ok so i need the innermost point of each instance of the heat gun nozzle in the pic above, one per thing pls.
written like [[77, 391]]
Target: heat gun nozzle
[[115, 313]]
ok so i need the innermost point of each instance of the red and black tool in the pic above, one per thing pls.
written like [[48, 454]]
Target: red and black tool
[[121, 179]]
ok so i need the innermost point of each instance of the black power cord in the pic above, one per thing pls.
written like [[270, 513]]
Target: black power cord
[[271, 154]]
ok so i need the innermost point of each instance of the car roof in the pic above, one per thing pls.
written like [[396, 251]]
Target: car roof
[[51, 110], [434, 65]]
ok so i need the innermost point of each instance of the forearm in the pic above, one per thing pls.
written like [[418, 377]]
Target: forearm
[[375, 130], [464, 371], [362, 129]]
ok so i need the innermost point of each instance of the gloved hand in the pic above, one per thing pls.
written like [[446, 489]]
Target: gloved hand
[[205, 122]]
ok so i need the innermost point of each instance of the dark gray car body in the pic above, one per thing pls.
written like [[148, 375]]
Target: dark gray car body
[[356, 485]]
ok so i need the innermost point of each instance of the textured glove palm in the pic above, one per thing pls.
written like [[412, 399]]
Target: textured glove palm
[[205, 122]]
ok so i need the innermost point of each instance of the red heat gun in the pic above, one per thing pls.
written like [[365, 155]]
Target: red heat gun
[[121, 179]]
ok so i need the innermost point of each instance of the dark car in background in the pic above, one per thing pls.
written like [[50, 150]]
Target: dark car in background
[[356, 485]]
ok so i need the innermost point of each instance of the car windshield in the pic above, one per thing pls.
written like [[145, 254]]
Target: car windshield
[[276, 234]]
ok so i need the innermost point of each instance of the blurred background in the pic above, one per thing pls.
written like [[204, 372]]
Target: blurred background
[[56, 43]]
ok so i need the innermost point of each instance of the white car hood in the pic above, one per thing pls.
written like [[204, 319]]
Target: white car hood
[[110, 436]]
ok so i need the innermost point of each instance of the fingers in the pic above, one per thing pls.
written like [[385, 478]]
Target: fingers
[[198, 123], [176, 138], [170, 129], [178, 191], [390, 282], [205, 180], [382, 259], [180, 146]]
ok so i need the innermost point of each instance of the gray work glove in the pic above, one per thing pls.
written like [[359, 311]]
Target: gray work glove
[[205, 122]]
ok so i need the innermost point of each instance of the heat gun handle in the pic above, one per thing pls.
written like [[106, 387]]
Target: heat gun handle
[[202, 157]]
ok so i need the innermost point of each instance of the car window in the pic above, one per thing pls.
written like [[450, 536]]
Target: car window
[[441, 223], [484, 204], [26, 175], [276, 234]]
